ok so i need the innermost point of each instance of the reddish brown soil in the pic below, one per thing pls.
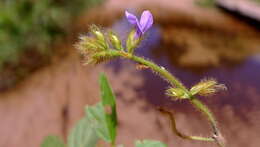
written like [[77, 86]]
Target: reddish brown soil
[[53, 98]]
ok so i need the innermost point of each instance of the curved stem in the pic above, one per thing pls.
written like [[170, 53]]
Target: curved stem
[[175, 82], [205, 110], [178, 133], [161, 70]]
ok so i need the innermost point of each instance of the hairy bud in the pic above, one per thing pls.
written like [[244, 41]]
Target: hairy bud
[[132, 42], [115, 41], [100, 38]]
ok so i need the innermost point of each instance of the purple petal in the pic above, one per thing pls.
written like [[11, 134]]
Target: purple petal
[[138, 33], [131, 18], [146, 21]]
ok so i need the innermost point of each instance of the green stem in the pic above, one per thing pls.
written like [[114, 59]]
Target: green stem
[[159, 69], [205, 110], [175, 82]]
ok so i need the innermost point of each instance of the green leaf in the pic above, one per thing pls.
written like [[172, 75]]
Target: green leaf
[[83, 135], [149, 143], [98, 122], [107, 95], [109, 104], [52, 141], [97, 117]]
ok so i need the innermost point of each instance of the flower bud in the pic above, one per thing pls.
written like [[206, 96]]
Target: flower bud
[[177, 93], [99, 35], [132, 42], [115, 41], [100, 38], [88, 44]]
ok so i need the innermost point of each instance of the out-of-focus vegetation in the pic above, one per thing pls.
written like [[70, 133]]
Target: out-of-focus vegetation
[[257, 1], [205, 3], [28, 28], [99, 124]]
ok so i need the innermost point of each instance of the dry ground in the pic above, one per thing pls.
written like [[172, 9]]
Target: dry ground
[[53, 98]]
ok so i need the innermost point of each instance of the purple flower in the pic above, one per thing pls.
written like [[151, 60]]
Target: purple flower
[[146, 21]]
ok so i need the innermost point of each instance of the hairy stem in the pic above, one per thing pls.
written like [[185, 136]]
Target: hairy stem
[[161, 71], [205, 110], [175, 82]]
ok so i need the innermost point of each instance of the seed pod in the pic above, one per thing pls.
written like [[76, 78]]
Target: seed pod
[[177, 93], [207, 87]]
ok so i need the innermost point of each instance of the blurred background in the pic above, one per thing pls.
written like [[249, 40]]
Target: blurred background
[[44, 87]]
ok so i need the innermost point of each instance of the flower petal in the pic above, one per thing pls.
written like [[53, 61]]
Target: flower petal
[[138, 32], [131, 18], [146, 20]]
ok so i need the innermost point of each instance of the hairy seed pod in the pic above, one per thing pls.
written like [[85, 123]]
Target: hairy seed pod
[[207, 87]]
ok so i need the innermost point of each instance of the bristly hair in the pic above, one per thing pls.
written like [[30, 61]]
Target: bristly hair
[[207, 87]]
